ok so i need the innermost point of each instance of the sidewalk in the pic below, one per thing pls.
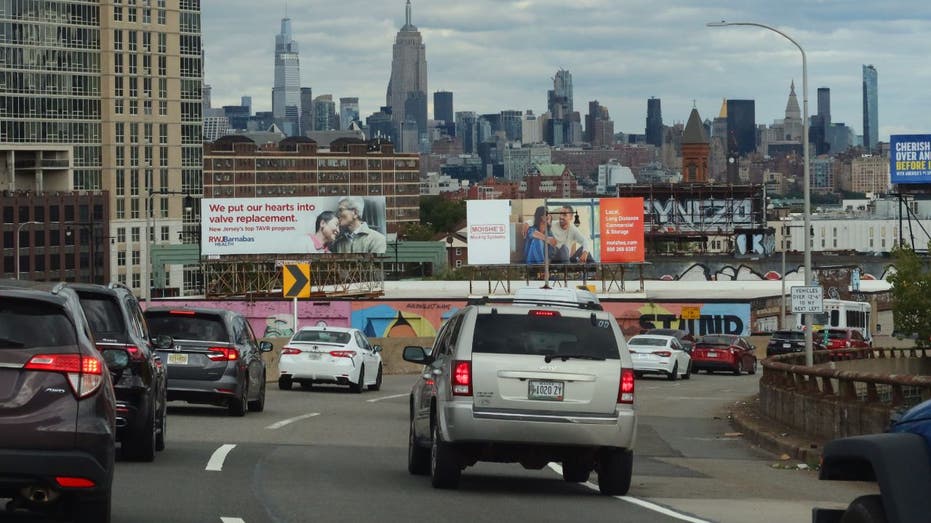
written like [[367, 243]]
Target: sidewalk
[[772, 436]]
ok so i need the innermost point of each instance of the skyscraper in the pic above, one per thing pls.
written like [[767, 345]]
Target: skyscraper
[[348, 112], [307, 110], [654, 129], [821, 122], [599, 128], [325, 118], [563, 123], [741, 127], [870, 108], [443, 106], [408, 77], [286, 94]]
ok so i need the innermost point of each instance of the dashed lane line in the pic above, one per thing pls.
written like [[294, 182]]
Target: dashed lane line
[[636, 501], [232, 520], [219, 456], [282, 423], [373, 400]]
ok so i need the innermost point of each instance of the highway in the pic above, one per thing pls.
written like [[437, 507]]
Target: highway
[[329, 455]]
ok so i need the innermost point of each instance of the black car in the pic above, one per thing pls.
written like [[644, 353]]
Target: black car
[[213, 358], [57, 407], [784, 342], [117, 323]]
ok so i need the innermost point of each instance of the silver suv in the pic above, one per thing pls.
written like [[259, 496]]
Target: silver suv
[[528, 382]]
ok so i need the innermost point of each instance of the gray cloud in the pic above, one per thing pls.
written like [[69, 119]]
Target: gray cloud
[[497, 55]]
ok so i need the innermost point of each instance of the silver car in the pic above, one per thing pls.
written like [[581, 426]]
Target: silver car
[[531, 383]]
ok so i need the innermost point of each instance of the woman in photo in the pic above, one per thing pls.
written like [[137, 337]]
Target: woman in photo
[[326, 230], [535, 240]]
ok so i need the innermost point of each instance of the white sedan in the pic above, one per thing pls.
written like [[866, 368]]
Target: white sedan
[[657, 354], [330, 355]]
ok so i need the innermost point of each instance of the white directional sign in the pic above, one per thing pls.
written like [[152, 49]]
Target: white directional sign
[[807, 300]]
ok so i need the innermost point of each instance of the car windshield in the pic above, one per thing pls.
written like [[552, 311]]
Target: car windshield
[[715, 340], [647, 342], [103, 313], [789, 335], [188, 326], [526, 334], [26, 324], [833, 334], [322, 336]]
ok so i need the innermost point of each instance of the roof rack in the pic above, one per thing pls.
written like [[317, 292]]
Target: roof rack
[[118, 285], [587, 305], [58, 287]]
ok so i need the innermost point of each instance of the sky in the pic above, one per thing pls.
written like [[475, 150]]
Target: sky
[[499, 55]]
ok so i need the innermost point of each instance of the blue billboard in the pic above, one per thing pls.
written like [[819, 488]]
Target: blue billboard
[[910, 158]]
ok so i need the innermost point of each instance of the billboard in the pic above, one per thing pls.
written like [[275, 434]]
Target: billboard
[[298, 225], [622, 230], [910, 158], [488, 231]]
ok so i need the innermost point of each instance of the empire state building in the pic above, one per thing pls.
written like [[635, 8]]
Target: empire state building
[[407, 89]]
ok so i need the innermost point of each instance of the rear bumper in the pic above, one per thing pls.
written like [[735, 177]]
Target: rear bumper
[[713, 365], [332, 370], [660, 366], [132, 409], [21, 468], [203, 391], [459, 423]]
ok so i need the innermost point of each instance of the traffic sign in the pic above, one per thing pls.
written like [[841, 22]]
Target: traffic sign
[[296, 280], [807, 300], [690, 312]]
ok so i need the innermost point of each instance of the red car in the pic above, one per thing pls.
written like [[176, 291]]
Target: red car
[[841, 339], [728, 352]]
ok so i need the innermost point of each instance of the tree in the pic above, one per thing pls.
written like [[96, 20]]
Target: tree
[[443, 215], [911, 295], [417, 232]]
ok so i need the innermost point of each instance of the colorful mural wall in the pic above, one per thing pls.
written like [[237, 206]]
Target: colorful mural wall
[[275, 319], [402, 319], [716, 318]]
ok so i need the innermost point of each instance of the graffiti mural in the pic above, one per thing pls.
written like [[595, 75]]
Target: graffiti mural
[[715, 318], [402, 319]]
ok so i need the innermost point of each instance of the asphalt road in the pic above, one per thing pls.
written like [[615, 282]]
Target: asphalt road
[[329, 455]]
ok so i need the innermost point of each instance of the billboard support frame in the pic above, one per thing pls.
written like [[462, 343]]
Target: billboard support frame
[[499, 277], [332, 275]]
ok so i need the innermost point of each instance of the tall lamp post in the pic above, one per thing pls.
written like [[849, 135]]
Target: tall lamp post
[[149, 233], [19, 231], [809, 356]]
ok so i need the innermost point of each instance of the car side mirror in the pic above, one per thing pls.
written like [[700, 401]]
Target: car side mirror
[[377, 348], [116, 359], [164, 342], [266, 346], [416, 355]]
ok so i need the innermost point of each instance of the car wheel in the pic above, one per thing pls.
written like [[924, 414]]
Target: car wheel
[[865, 509], [258, 405], [674, 375], [444, 462], [237, 406], [418, 458], [753, 367], [740, 367], [688, 372], [615, 468], [284, 383], [575, 471], [141, 446], [162, 432], [94, 508], [377, 385], [359, 385]]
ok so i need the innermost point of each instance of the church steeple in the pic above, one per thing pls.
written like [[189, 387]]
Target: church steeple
[[793, 112]]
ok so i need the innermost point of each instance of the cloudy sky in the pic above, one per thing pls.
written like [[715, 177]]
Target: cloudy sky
[[502, 54]]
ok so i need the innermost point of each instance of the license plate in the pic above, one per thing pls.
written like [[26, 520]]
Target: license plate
[[786, 345], [547, 390], [177, 359], [712, 354], [313, 355]]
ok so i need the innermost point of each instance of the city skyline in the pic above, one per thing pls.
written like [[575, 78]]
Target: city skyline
[[508, 61]]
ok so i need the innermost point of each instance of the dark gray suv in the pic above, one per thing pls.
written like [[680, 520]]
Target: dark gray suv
[[57, 407], [214, 357]]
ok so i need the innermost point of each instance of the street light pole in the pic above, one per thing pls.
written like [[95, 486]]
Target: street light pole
[[150, 236], [809, 355], [19, 231]]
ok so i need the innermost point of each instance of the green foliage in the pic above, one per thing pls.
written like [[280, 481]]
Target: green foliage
[[911, 294], [440, 214], [417, 232]]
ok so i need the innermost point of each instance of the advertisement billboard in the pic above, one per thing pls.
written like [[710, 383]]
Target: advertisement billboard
[[910, 158], [299, 225], [622, 230], [488, 231], [547, 228]]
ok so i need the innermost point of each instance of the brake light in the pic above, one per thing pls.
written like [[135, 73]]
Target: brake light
[[662, 353], [625, 393], [84, 373], [847, 343], [182, 313], [290, 351], [134, 353], [222, 354], [544, 314], [462, 378], [343, 353], [71, 482]]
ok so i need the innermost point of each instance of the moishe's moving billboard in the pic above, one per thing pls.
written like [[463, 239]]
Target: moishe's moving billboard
[[321, 225]]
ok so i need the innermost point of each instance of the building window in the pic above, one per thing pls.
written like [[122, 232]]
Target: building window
[[121, 234], [458, 263], [136, 280], [136, 258], [120, 182], [458, 251], [165, 233], [117, 13], [134, 209], [163, 210], [121, 278], [121, 258], [120, 208], [134, 234]]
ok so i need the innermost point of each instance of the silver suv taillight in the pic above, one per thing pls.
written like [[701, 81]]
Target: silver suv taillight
[[462, 378], [625, 392]]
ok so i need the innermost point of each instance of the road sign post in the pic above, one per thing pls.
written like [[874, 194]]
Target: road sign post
[[295, 284]]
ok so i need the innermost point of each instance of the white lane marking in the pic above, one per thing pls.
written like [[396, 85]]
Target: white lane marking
[[232, 520], [388, 397], [219, 456], [282, 423], [645, 504]]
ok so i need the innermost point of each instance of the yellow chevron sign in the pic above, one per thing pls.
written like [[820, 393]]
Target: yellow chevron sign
[[296, 280]]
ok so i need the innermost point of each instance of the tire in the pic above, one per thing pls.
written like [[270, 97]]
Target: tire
[[740, 367], [162, 432], [674, 375], [284, 383], [688, 372], [865, 509], [753, 368], [359, 386], [574, 471], [615, 468], [377, 385], [418, 458], [93, 508], [258, 405], [142, 445], [444, 462], [237, 406]]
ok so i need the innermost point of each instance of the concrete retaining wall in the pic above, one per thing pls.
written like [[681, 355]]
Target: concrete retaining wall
[[821, 417]]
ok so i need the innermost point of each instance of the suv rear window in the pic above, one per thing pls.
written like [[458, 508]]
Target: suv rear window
[[539, 336], [322, 336], [103, 313], [187, 326], [27, 324]]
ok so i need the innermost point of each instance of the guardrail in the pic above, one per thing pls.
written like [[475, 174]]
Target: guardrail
[[828, 402]]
